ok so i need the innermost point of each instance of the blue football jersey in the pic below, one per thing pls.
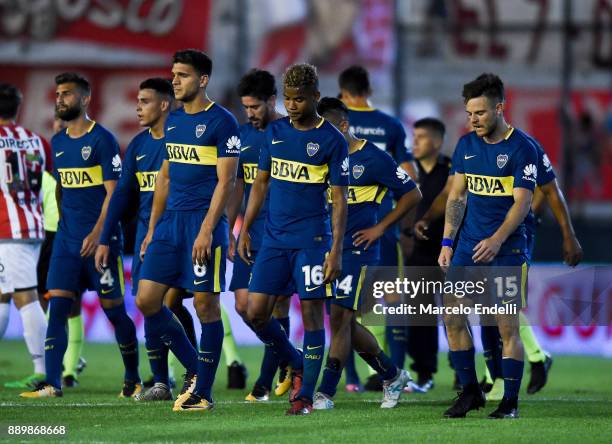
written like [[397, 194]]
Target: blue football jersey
[[252, 140], [492, 171], [194, 142], [388, 134], [301, 165], [142, 161], [372, 175], [81, 165]]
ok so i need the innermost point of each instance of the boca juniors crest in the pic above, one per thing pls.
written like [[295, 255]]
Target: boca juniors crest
[[502, 160], [200, 130], [86, 152], [358, 171], [312, 148]]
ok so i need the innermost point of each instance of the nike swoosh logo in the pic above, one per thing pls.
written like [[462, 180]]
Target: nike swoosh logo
[[203, 352], [508, 302], [310, 347], [469, 157], [244, 148], [140, 157], [199, 282], [59, 154], [170, 128], [342, 297], [274, 142], [312, 288], [107, 291]]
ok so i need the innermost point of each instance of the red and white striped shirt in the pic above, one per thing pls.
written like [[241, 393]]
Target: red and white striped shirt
[[24, 156]]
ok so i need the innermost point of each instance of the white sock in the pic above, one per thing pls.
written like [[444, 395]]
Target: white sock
[[34, 333], [5, 309]]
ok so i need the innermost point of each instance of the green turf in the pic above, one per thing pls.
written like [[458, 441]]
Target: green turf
[[575, 406]]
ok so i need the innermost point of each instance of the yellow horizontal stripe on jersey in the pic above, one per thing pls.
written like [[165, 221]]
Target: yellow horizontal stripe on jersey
[[81, 177], [193, 154], [365, 193], [489, 185], [298, 172], [146, 180], [250, 172]]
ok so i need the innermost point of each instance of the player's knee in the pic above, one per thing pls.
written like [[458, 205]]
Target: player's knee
[[256, 318], [146, 306], [312, 314], [208, 308], [241, 308], [509, 334], [281, 307]]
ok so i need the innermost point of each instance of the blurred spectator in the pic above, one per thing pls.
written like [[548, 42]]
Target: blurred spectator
[[585, 159]]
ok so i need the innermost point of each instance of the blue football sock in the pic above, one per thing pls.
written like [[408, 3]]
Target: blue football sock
[[396, 341], [464, 365], [351, 370], [157, 352], [209, 355], [513, 374], [125, 334], [491, 346], [331, 377], [314, 349], [57, 339], [272, 334], [269, 365], [382, 364], [166, 326], [286, 324]]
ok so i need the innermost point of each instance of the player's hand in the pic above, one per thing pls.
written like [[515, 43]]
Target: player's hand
[[88, 248], [332, 267], [145, 243], [101, 259], [486, 250], [231, 249], [446, 254], [367, 236], [572, 251], [244, 247], [202, 247], [420, 228]]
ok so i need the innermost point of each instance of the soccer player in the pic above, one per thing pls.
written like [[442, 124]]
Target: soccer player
[[372, 174], [87, 166], [495, 175], [302, 155], [185, 246], [257, 91], [24, 157], [387, 133], [143, 159]]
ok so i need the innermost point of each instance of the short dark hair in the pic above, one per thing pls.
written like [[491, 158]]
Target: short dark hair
[[200, 61], [334, 106], [10, 100], [159, 85], [431, 124], [72, 77], [356, 80], [301, 75], [257, 83], [488, 85]]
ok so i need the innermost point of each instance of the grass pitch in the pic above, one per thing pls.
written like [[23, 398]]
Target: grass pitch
[[576, 405]]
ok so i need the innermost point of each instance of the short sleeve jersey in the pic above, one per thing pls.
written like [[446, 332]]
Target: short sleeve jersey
[[252, 140], [492, 171], [301, 164], [372, 175], [194, 142], [81, 166]]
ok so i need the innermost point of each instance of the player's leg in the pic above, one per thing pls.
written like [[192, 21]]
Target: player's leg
[[72, 357], [281, 314], [5, 309], [236, 370], [539, 360]]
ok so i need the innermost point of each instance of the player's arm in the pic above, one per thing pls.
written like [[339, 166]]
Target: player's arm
[[257, 197], [455, 209], [572, 251], [436, 211], [160, 196], [233, 208], [333, 263], [90, 242], [486, 250], [58, 198], [226, 174]]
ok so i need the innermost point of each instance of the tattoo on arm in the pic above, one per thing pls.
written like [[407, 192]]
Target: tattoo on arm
[[455, 209]]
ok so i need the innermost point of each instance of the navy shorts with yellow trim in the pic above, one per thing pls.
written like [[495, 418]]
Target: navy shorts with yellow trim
[[277, 271], [70, 272], [348, 285], [168, 257]]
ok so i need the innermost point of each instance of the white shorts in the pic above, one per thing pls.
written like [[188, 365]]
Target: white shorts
[[18, 266]]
